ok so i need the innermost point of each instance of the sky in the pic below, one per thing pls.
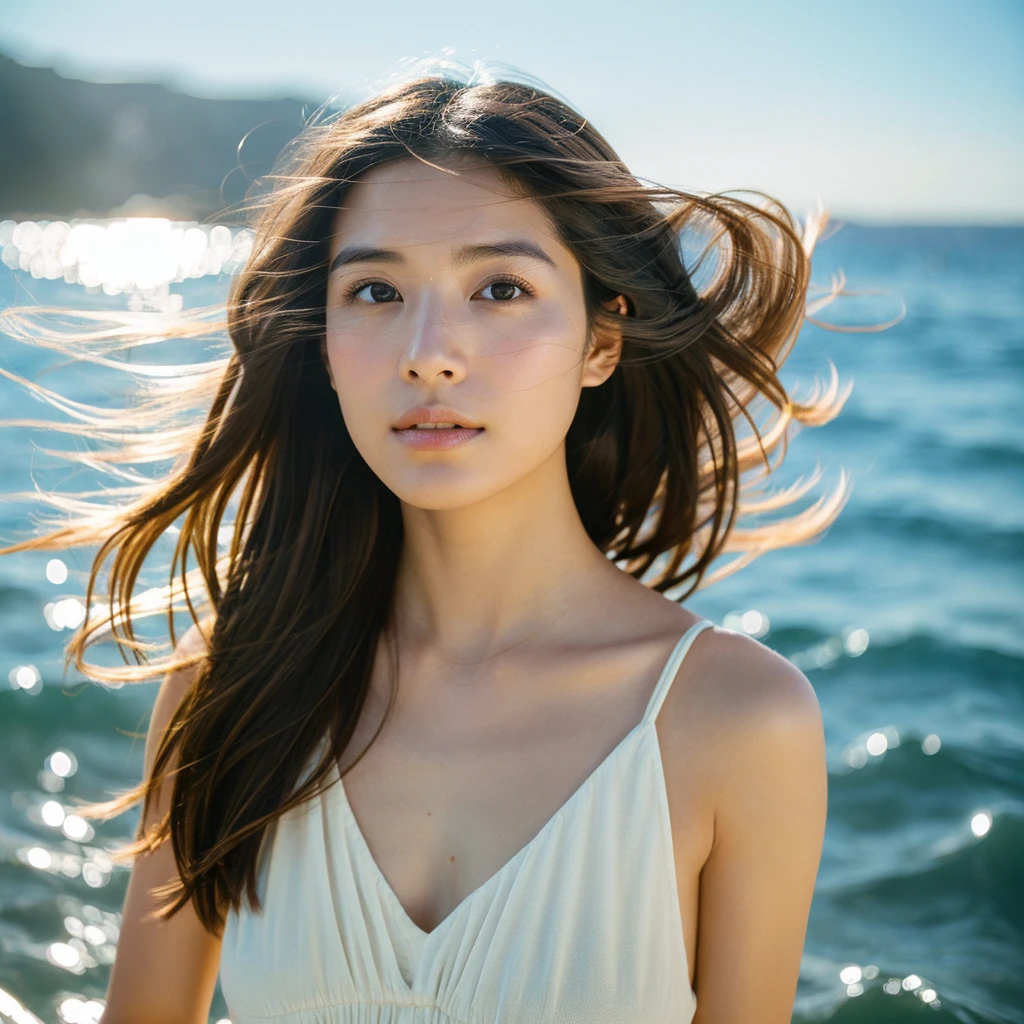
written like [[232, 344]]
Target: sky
[[887, 111]]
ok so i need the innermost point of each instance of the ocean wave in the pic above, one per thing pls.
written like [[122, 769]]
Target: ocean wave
[[877, 1005], [963, 873], [917, 651]]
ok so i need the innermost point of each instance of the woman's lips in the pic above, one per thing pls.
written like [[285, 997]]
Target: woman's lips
[[437, 436]]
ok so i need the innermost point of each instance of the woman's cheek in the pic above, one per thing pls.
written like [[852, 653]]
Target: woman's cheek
[[542, 367], [361, 378], [359, 359], [532, 352]]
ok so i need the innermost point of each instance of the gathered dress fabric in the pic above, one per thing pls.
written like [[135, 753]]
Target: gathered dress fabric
[[581, 926]]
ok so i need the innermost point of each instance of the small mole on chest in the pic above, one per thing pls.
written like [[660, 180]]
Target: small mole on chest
[[452, 857]]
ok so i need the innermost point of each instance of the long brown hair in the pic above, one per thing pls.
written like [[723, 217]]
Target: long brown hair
[[661, 477]]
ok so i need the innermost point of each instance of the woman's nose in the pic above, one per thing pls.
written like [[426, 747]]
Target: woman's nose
[[435, 353]]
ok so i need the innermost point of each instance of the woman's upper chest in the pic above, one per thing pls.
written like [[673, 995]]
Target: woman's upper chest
[[444, 800]]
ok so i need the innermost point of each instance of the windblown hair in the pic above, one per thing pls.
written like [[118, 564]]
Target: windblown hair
[[300, 601]]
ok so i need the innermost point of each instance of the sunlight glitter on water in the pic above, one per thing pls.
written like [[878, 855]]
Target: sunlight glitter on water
[[851, 643], [56, 571], [81, 1011], [981, 823], [62, 763], [871, 746], [856, 980], [139, 257], [752, 622], [11, 1010], [65, 613], [25, 677]]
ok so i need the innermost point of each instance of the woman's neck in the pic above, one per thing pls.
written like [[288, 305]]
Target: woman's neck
[[476, 580]]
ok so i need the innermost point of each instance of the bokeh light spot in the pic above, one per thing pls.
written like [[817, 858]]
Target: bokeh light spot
[[63, 955], [25, 677], [751, 622], [52, 814], [80, 1011], [855, 642], [77, 828], [62, 763], [67, 613], [877, 744], [56, 571], [12, 1010], [981, 823], [39, 858]]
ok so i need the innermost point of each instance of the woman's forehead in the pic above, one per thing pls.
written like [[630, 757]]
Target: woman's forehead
[[408, 204]]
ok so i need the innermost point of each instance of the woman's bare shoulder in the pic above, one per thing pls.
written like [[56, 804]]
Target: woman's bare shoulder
[[742, 704], [745, 682], [728, 683]]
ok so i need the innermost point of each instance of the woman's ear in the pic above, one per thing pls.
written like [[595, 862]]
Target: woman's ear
[[605, 346], [327, 362]]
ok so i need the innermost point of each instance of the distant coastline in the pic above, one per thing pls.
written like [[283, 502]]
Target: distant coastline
[[74, 149]]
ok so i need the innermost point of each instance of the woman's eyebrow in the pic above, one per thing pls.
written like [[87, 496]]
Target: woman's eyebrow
[[364, 254], [465, 254], [514, 247]]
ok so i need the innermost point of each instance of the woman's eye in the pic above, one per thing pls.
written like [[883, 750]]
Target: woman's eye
[[377, 291], [501, 291]]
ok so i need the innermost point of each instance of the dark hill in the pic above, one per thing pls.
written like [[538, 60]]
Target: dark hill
[[70, 148]]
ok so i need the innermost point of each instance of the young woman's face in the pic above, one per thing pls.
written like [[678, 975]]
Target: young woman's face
[[456, 332]]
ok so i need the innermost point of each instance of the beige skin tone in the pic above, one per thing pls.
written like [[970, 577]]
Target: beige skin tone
[[526, 656]]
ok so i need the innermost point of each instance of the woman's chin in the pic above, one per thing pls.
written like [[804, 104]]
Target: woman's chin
[[447, 491]]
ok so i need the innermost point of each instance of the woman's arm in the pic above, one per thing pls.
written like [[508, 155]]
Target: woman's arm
[[757, 883], [165, 972]]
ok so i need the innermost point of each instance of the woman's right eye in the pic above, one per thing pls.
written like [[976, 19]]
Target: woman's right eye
[[376, 292]]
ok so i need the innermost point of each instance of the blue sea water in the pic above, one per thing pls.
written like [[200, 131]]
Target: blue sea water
[[906, 616]]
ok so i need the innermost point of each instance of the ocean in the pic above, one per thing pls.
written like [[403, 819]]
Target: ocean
[[907, 616]]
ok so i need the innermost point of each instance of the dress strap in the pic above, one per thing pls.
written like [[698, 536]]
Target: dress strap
[[668, 673]]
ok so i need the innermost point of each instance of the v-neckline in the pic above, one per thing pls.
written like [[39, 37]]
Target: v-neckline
[[646, 725], [364, 847]]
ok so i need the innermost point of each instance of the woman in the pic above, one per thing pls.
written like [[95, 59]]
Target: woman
[[443, 751]]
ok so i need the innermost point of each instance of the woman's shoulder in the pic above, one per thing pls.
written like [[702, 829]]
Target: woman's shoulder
[[742, 739], [745, 681], [727, 680], [740, 699]]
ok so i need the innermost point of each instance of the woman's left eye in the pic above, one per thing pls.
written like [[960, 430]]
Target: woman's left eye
[[502, 291]]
